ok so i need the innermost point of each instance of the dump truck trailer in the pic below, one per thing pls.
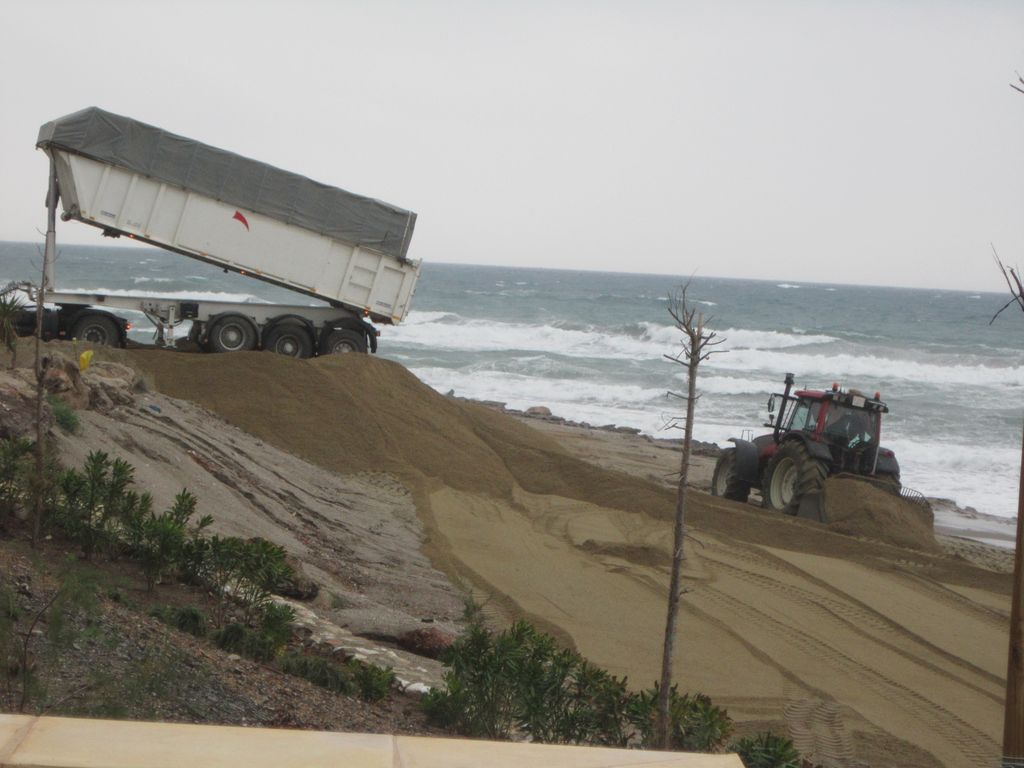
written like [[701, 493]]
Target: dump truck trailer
[[131, 179]]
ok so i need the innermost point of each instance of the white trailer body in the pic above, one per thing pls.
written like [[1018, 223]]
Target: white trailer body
[[132, 179], [243, 241]]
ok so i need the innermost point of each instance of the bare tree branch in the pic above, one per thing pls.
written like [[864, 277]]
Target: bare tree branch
[[1013, 282]]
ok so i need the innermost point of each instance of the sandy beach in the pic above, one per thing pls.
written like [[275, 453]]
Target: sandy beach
[[877, 645]]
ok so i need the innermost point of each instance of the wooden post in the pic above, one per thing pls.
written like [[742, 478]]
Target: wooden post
[[1013, 724]]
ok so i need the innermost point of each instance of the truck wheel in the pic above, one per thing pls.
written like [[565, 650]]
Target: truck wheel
[[232, 333], [724, 482], [343, 341], [97, 329], [790, 475], [291, 339]]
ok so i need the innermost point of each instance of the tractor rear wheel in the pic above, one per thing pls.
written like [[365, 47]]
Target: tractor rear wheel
[[724, 482], [791, 474]]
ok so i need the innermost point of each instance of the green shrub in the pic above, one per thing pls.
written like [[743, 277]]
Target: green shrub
[[237, 638], [766, 750], [276, 624], [261, 570], [65, 416], [319, 671], [188, 619], [96, 507], [480, 693], [521, 679], [374, 683], [15, 474], [157, 541], [247, 571], [695, 724]]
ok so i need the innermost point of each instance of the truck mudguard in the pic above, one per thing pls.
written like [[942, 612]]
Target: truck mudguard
[[746, 461], [887, 464], [817, 449]]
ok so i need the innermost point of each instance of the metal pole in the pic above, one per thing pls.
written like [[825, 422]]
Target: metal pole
[[1013, 724]]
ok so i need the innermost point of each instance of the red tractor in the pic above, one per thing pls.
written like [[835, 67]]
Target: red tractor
[[816, 434]]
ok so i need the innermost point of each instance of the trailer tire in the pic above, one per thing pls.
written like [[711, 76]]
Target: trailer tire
[[724, 482], [97, 329], [232, 333], [791, 474], [290, 339], [343, 341]]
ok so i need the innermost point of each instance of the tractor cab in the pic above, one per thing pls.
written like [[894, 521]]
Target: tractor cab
[[848, 422]]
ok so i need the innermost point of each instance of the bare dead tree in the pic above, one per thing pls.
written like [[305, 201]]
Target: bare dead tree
[[698, 346], [39, 481], [1012, 277], [1013, 718], [1017, 87]]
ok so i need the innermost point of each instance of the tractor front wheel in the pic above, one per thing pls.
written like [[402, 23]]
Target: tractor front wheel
[[791, 474], [724, 482]]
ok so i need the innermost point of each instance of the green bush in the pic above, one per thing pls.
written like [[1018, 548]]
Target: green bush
[[157, 541], [374, 683], [319, 671], [237, 638], [95, 507], [65, 416], [695, 724], [247, 571], [276, 623], [15, 474], [188, 619], [521, 679], [766, 750]]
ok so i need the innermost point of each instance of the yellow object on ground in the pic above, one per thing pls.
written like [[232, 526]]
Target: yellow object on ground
[[84, 359], [58, 742]]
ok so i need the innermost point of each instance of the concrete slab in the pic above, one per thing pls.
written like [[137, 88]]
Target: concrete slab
[[418, 752], [54, 742], [72, 743]]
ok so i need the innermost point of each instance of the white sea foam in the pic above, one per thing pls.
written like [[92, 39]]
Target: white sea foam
[[788, 285], [730, 385], [423, 318], [983, 477], [443, 330], [867, 368]]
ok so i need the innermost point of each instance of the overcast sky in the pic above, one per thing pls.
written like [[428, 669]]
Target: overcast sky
[[857, 142]]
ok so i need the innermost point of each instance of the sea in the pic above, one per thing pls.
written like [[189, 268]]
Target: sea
[[597, 347]]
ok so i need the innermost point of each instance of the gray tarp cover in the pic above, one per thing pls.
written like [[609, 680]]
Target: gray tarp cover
[[231, 178]]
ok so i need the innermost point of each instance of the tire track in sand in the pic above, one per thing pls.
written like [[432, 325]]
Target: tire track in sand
[[859, 618], [890, 701]]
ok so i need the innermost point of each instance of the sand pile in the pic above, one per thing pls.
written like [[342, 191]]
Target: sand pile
[[354, 413], [857, 508]]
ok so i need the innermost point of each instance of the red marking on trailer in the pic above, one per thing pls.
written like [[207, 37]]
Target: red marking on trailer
[[238, 215]]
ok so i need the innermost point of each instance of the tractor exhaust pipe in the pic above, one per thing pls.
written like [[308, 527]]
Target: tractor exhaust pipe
[[782, 408]]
